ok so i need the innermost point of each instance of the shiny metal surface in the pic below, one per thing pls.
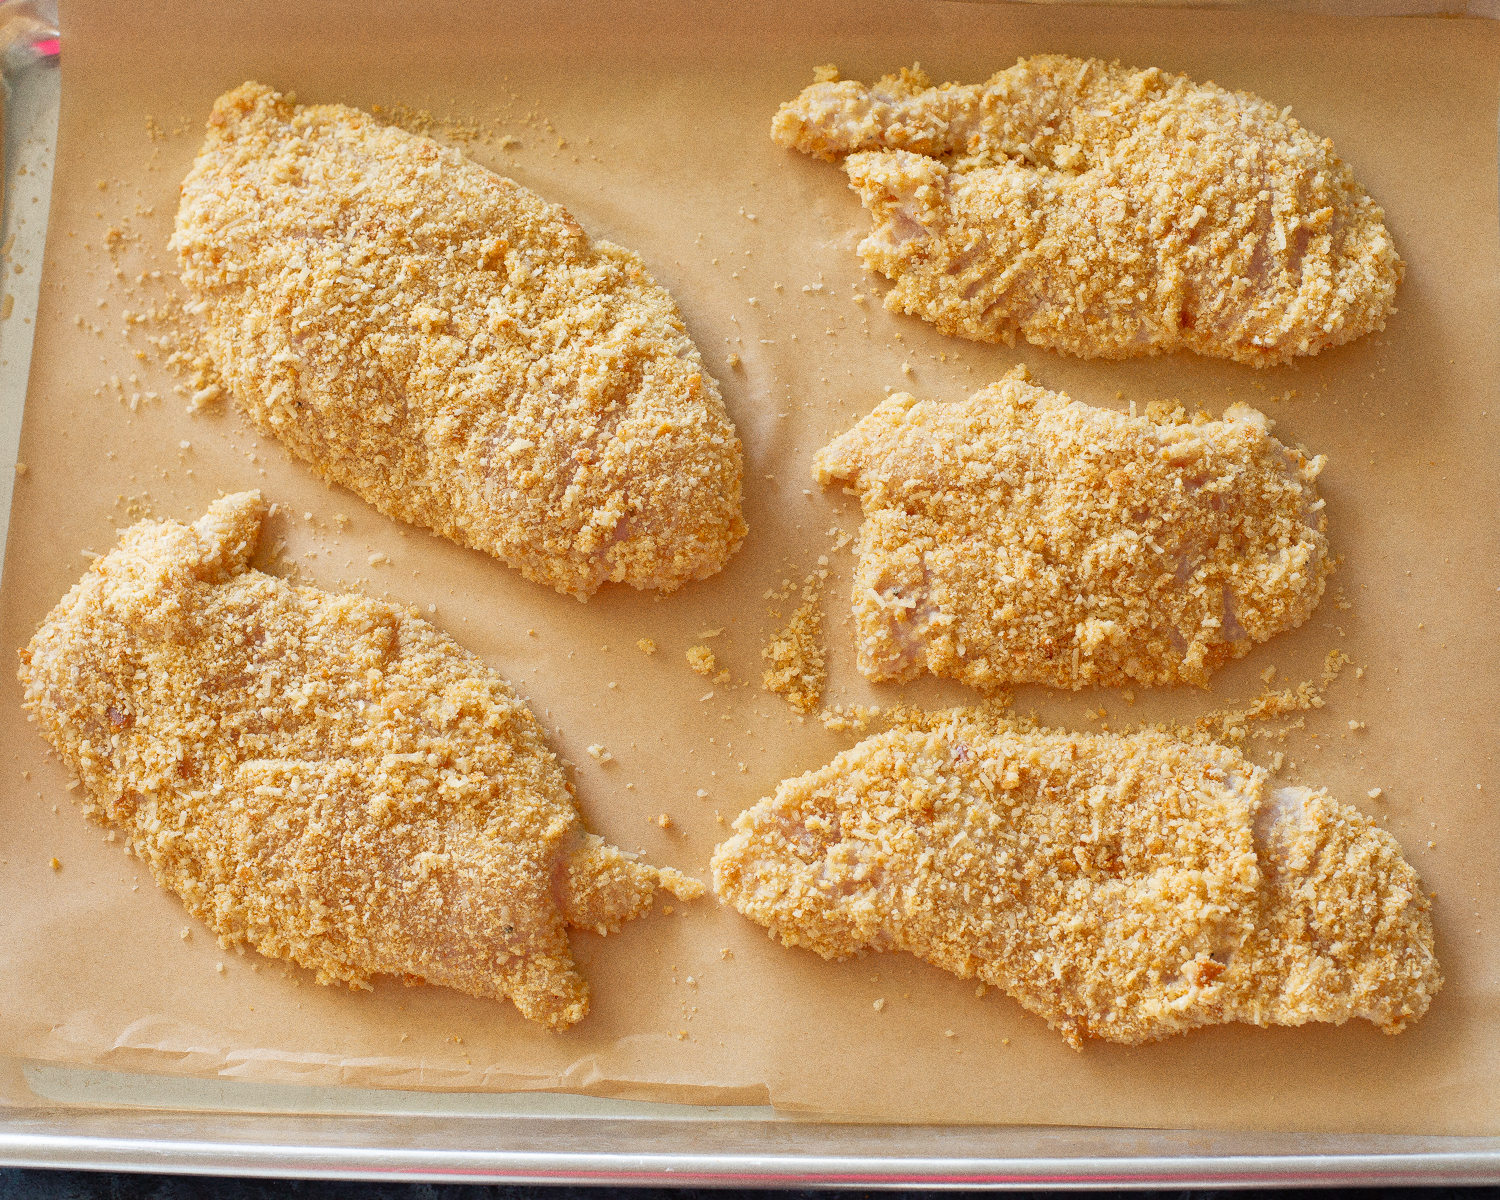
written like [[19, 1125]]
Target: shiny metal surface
[[100, 1120], [706, 1152], [31, 83]]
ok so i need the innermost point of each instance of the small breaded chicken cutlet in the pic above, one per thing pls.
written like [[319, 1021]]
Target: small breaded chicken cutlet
[[326, 778], [1122, 887], [1022, 537], [454, 349], [1104, 211]]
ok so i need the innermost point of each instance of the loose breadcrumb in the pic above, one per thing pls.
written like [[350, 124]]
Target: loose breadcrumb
[[454, 349], [646, 646], [1233, 724], [1021, 537], [701, 659], [1105, 211], [841, 719], [463, 130], [1124, 888], [796, 672], [326, 778], [684, 887]]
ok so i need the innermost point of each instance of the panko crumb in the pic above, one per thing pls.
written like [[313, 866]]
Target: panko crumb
[[701, 659], [646, 646], [420, 121], [1232, 725], [856, 717], [684, 887], [796, 672]]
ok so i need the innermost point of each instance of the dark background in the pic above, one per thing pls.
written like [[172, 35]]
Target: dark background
[[19, 1184]]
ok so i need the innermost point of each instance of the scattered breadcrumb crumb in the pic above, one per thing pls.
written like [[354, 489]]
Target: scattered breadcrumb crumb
[[795, 654], [839, 719], [1232, 725], [701, 659]]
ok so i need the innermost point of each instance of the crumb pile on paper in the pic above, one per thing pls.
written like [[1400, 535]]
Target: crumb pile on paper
[[794, 656]]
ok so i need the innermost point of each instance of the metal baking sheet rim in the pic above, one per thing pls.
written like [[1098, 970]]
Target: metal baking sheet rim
[[276, 1162], [103, 1138], [41, 1140]]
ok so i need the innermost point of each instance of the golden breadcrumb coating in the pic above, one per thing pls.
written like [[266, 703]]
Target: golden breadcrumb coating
[[1104, 211], [1124, 888], [1022, 537], [454, 349], [324, 777]]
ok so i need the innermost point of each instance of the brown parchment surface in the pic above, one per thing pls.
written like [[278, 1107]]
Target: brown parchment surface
[[651, 127]]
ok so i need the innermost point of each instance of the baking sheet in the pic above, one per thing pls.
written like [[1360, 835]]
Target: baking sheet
[[655, 140]]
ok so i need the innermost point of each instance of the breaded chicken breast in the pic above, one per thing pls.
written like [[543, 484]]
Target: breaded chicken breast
[[1104, 211], [1022, 537], [326, 778], [454, 349], [1122, 887]]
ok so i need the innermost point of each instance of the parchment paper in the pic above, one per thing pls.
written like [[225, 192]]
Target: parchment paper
[[650, 125]]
